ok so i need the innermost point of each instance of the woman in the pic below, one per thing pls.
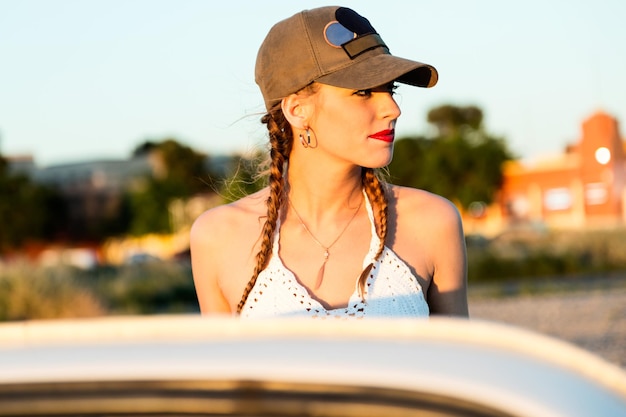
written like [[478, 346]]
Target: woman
[[327, 237]]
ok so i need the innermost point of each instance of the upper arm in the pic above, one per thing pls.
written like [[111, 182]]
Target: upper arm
[[205, 255], [447, 293]]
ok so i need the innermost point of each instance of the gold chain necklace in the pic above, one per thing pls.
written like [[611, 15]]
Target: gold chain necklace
[[320, 274]]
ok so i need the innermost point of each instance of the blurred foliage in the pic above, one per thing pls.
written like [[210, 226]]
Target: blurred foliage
[[28, 211], [451, 121], [462, 163], [147, 288], [149, 207], [42, 293], [157, 287], [181, 172], [538, 255]]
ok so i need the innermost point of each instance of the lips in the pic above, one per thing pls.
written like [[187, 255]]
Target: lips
[[384, 135]]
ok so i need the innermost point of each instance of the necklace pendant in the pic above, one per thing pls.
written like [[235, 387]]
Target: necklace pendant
[[320, 277], [326, 255]]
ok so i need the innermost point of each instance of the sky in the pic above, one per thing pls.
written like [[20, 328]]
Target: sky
[[85, 80]]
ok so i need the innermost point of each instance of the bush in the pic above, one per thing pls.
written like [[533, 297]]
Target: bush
[[547, 254], [147, 288], [29, 293]]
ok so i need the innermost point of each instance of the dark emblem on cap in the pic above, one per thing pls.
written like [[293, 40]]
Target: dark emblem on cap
[[353, 33]]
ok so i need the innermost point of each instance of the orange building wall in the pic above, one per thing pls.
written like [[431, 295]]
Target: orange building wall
[[581, 188]]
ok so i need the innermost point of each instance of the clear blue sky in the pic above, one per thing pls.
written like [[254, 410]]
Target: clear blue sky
[[93, 79]]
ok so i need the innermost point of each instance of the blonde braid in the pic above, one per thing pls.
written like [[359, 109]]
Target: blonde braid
[[281, 139], [376, 192]]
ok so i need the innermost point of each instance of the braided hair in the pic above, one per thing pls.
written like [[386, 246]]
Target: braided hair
[[281, 141]]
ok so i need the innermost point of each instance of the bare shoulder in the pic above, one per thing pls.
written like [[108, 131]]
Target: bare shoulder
[[429, 235], [222, 243], [423, 209], [224, 220]]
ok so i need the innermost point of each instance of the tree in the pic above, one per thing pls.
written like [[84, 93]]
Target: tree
[[462, 163], [179, 165], [452, 120], [150, 208], [180, 173], [29, 211]]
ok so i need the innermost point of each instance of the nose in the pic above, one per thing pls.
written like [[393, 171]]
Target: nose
[[389, 109]]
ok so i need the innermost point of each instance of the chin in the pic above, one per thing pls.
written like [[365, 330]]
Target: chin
[[378, 162]]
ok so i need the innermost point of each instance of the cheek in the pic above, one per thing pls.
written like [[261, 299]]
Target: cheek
[[343, 123], [333, 124], [349, 123]]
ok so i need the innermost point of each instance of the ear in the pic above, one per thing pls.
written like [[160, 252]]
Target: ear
[[297, 110]]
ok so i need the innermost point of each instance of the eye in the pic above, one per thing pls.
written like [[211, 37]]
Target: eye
[[388, 88], [363, 93]]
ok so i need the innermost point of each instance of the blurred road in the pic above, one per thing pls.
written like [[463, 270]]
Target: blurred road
[[594, 318]]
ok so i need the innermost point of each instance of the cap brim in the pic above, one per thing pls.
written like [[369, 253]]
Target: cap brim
[[379, 70]]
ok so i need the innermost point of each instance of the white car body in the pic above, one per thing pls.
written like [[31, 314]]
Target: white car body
[[193, 365]]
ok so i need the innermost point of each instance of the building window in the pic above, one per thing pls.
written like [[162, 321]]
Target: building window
[[596, 193], [557, 199], [518, 207]]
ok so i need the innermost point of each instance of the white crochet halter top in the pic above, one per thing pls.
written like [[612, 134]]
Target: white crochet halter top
[[391, 290]]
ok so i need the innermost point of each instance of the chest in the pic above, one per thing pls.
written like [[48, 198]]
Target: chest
[[329, 273], [304, 257]]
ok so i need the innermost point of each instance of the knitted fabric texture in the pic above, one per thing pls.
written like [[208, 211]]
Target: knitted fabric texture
[[391, 290]]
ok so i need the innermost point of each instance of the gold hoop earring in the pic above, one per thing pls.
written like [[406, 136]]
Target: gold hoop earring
[[306, 143], [303, 142]]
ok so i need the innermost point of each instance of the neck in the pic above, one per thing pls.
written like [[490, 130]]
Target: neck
[[320, 194]]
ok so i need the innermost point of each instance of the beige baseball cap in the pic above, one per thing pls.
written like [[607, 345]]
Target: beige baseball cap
[[330, 45]]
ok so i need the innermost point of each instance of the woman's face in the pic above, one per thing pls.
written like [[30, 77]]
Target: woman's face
[[356, 125]]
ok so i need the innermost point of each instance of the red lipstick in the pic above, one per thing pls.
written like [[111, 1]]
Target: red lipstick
[[384, 135]]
